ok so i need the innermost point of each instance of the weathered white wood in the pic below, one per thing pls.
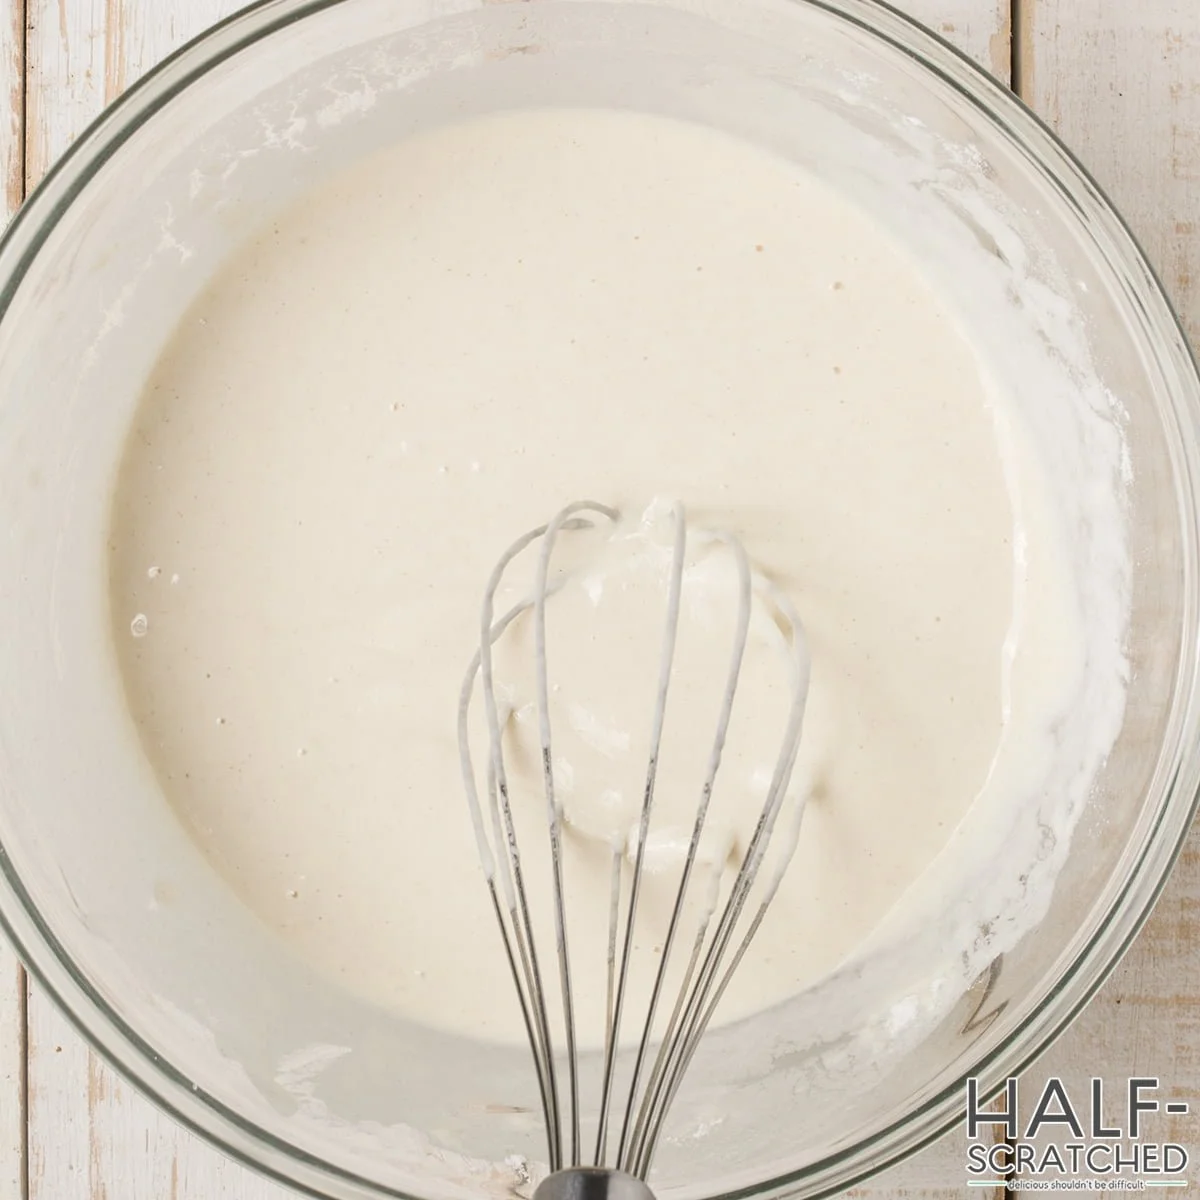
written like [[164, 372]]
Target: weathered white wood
[[92, 1137], [58, 1108], [12, 1074], [980, 28], [1120, 81], [84, 53], [65, 77], [12, 977], [12, 98]]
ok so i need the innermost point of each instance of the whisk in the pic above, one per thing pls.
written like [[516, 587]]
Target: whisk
[[631, 1116]]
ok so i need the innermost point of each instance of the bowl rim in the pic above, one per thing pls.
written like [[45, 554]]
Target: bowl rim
[[123, 1048]]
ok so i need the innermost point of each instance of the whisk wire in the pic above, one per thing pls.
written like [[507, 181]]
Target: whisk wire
[[666, 662], [493, 866], [630, 1163], [741, 635], [703, 999], [710, 965], [614, 909], [524, 925], [553, 809], [526, 1015]]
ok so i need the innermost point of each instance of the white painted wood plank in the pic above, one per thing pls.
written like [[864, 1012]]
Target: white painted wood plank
[[58, 1106], [12, 977], [93, 1138], [12, 1074], [84, 53], [1120, 82], [12, 98], [90, 1136], [980, 28], [65, 77]]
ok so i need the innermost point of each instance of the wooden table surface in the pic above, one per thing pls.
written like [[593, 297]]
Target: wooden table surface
[[1119, 79]]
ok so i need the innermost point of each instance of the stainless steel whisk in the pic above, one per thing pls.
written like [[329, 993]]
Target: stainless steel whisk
[[717, 946]]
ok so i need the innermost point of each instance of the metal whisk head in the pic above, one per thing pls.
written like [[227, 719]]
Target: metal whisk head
[[714, 932]]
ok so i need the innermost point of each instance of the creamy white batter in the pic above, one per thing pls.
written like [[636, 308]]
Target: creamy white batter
[[437, 352]]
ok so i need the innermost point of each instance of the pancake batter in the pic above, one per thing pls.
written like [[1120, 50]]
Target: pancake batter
[[434, 354]]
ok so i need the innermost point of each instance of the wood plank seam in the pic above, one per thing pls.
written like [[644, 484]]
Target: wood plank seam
[[23, 1027], [1016, 40]]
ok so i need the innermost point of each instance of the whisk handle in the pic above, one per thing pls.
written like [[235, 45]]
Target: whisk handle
[[591, 1183]]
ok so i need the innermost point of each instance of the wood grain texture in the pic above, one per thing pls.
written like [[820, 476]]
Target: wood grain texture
[[1120, 82], [12, 98], [84, 53], [12, 976], [12, 1075], [979, 28], [92, 1137]]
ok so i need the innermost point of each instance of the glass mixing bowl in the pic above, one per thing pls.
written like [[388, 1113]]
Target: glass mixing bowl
[[113, 909]]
